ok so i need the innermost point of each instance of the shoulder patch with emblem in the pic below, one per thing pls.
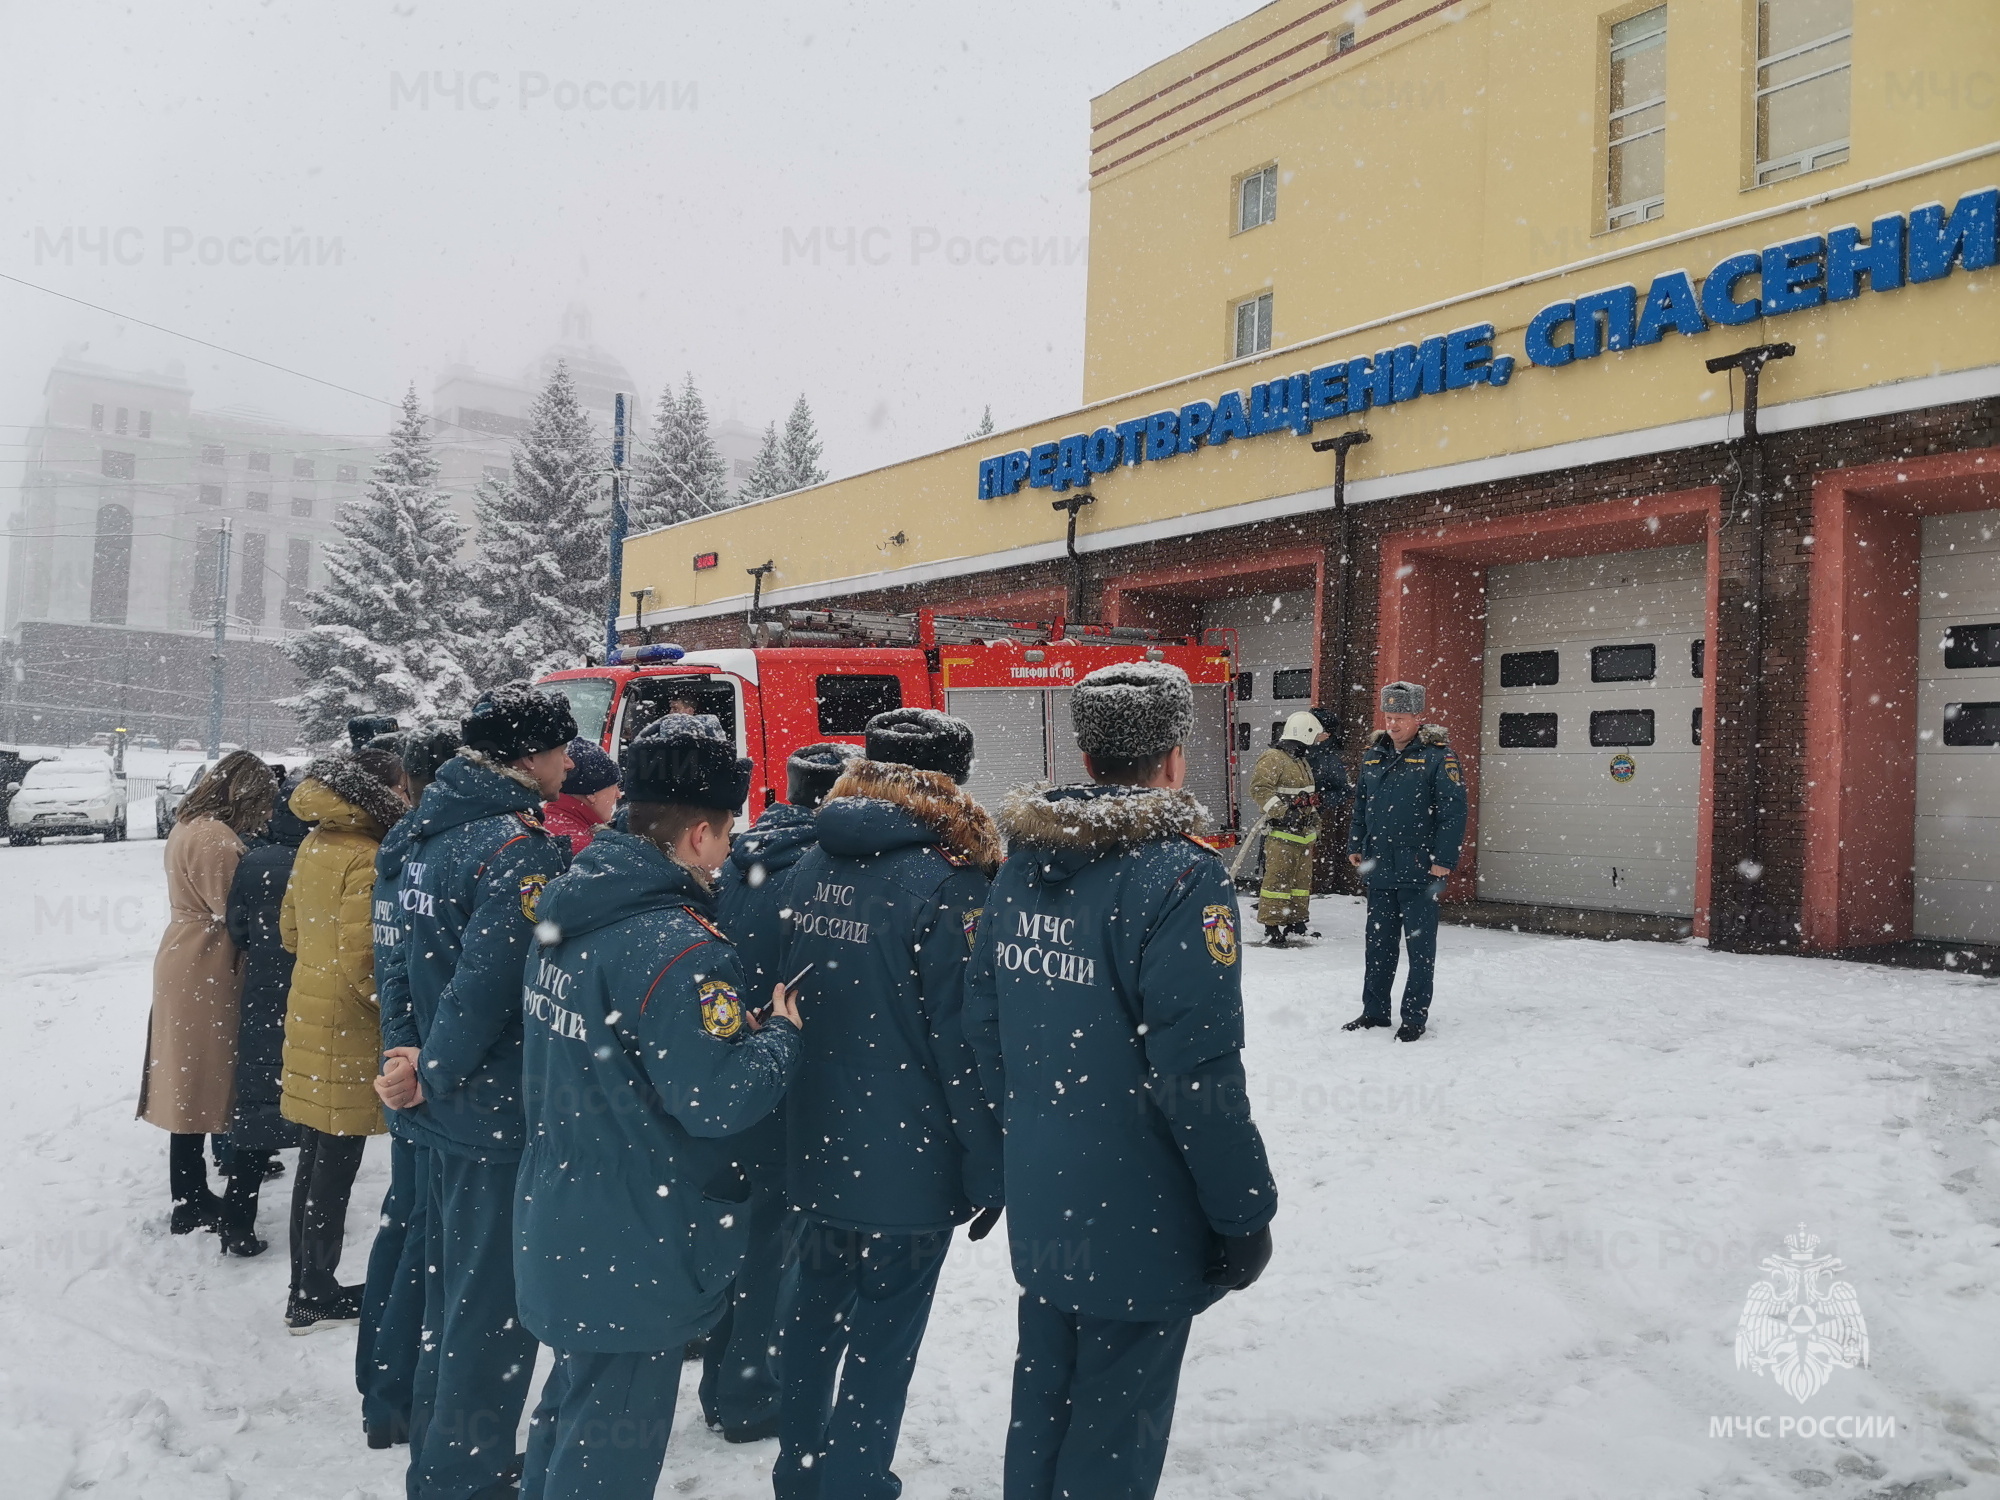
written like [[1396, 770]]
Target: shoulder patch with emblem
[[707, 926], [721, 1009], [951, 856], [1209, 844], [1451, 767], [1218, 929], [530, 819], [531, 894], [971, 920]]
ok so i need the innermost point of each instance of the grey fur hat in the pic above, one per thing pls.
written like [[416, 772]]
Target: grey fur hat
[[922, 738], [1403, 698], [1132, 710]]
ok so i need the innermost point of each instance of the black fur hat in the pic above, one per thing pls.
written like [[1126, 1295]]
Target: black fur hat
[[1132, 710], [517, 719], [924, 739], [427, 747], [686, 758], [813, 769], [364, 727]]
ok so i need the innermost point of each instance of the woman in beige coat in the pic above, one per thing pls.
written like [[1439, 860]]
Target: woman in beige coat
[[190, 1070]]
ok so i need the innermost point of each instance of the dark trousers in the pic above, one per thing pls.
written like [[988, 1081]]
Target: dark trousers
[[600, 1428], [1399, 916], [392, 1299], [1093, 1404], [868, 1297], [325, 1180], [187, 1169], [739, 1374], [246, 1181], [477, 1360]]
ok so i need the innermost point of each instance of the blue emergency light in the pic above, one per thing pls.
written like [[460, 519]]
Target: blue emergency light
[[639, 656]]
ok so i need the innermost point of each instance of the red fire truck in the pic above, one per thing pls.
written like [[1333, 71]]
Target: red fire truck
[[822, 674]]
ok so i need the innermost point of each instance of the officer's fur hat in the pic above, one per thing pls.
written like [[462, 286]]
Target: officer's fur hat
[[427, 747], [811, 771], [1131, 711], [517, 719], [1403, 698], [365, 727], [689, 759], [923, 738]]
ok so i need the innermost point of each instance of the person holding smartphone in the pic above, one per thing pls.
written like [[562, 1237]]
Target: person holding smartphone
[[644, 1063]]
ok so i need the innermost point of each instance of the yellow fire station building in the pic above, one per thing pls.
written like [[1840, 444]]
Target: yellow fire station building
[[1629, 375]]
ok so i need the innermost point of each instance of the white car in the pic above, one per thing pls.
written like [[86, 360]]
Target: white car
[[63, 797], [179, 782]]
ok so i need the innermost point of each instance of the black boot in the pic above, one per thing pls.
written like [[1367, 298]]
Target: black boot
[[195, 1205], [1274, 937], [1301, 930], [1409, 1031], [389, 1433], [1363, 1023], [239, 1206]]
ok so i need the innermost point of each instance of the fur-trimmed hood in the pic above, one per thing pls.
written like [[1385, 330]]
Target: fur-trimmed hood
[[500, 768], [945, 810], [343, 776], [1094, 820], [1427, 734]]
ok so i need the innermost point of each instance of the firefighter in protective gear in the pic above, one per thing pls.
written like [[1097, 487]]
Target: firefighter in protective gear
[[1283, 790]]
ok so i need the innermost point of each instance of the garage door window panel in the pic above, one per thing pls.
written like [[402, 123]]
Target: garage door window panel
[[1623, 663], [1530, 669], [1527, 731], [1971, 724], [1969, 646], [1621, 726]]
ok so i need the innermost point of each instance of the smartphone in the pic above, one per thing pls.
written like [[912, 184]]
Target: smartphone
[[791, 987]]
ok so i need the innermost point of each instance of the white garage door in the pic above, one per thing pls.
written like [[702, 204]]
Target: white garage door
[[1274, 669], [1958, 730], [1590, 760]]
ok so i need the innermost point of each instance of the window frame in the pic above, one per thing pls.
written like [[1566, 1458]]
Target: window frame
[[1267, 198], [1616, 216], [847, 710], [1264, 322], [1767, 172]]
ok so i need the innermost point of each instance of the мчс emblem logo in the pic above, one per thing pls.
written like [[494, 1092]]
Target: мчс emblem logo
[[531, 894], [1800, 1325], [971, 920], [1218, 926], [721, 1010]]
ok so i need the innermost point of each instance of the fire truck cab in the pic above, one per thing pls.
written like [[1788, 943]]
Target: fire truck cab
[[823, 674]]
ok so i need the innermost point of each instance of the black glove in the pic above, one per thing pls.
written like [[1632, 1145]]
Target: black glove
[[1239, 1259], [983, 1224]]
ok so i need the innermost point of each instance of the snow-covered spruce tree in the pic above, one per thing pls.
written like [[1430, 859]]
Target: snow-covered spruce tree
[[799, 449], [539, 579], [985, 426], [387, 629], [681, 475], [767, 470]]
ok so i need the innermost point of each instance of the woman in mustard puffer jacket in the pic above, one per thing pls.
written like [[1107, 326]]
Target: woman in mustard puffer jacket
[[333, 1037]]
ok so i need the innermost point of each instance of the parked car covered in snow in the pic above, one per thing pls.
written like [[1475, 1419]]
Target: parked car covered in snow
[[180, 780], [63, 797], [13, 766]]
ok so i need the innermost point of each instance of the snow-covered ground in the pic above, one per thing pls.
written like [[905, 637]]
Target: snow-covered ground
[[1510, 1259]]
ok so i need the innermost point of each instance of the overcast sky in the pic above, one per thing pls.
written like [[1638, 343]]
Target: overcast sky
[[142, 131]]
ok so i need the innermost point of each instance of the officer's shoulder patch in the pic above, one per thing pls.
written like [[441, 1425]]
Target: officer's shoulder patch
[[1218, 928], [706, 925], [1203, 843], [530, 819], [951, 856], [721, 1008], [971, 920], [531, 894]]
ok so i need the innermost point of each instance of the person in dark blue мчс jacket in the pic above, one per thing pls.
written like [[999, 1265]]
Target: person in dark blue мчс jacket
[[476, 863], [1408, 825], [739, 1377], [889, 1143], [641, 1055], [1106, 1010]]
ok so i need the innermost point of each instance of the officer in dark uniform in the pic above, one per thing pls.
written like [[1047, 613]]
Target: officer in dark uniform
[[474, 868], [739, 1378], [889, 1143], [1408, 824], [1106, 1011], [644, 1049]]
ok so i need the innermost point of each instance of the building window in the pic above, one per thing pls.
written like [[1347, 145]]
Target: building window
[[111, 566], [1253, 326], [97, 419], [211, 494], [211, 453], [250, 603], [258, 500], [302, 468], [116, 465], [261, 462], [1343, 40], [124, 421], [302, 506], [1636, 188], [347, 474], [1292, 682], [1257, 198], [1804, 49], [145, 424], [298, 581]]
